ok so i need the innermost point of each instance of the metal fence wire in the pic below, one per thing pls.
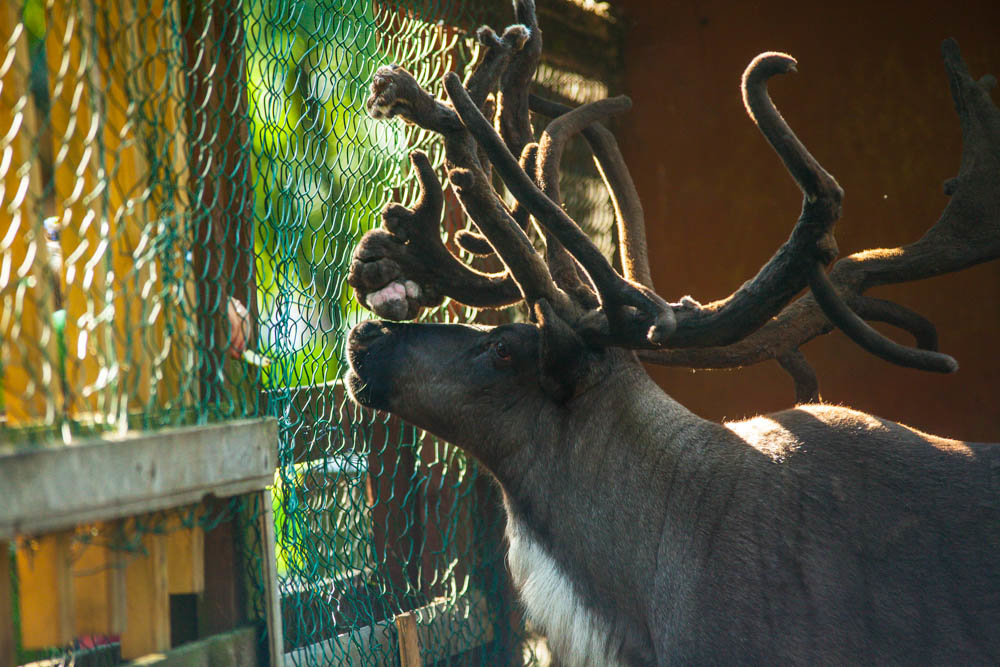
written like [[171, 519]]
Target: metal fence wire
[[183, 183]]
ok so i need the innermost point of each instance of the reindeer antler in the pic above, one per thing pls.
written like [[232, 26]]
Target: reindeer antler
[[756, 322], [967, 233], [396, 93]]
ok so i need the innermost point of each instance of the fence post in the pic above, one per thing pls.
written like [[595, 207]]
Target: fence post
[[269, 572], [409, 643]]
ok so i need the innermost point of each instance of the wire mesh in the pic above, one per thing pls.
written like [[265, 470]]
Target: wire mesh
[[183, 185]]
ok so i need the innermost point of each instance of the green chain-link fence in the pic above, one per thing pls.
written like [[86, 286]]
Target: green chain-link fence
[[183, 185]]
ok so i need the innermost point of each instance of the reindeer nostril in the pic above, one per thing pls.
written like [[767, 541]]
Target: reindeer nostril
[[365, 332]]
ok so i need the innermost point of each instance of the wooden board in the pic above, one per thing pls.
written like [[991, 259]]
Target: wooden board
[[272, 596], [60, 487], [237, 648], [147, 600], [185, 558], [98, 588], [45, 591]]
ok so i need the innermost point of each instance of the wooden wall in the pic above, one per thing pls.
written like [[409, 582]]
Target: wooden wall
[[871, 102]]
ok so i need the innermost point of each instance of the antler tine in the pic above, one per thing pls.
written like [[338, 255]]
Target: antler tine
[[404, 266], [563, 128], [521, 47], [512, 105], [633, 316], [811, 241], [476, 243], [514, 119], [551, 146], [510, 242], [806, 383], [629, 215], [486, 75], [845, 319], [499, 50], [923, 330]]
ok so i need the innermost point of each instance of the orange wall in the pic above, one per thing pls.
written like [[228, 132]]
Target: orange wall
[[871, 102]]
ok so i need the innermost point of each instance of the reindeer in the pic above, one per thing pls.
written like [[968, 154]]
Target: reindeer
[[638, 532]]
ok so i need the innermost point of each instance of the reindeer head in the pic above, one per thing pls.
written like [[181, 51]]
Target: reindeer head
[[585, 318]]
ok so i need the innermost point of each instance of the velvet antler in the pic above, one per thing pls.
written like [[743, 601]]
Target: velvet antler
[[405, 266]]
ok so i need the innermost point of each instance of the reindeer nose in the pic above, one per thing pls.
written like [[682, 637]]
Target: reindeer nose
[[366, 332]]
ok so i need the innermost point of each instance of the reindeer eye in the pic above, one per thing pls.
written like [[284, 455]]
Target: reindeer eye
[[501, 352]]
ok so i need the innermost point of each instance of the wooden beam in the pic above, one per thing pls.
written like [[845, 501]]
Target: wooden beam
[[147, 600], [45, 591], [237, 648], [60, 487]]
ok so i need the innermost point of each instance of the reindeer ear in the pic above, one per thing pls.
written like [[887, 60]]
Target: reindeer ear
[[561, 353]]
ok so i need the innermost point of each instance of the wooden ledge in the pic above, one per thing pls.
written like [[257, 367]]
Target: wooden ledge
[[56, 488]]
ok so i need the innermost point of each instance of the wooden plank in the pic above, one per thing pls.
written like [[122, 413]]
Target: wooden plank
[[46, 591], [237, 648], [185, 558], [98, 590], [272, 597], [409, 643], [100, 480], [7, 641], [147, 600]]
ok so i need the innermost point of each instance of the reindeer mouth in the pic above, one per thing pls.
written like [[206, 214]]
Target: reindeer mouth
[[369, 352]]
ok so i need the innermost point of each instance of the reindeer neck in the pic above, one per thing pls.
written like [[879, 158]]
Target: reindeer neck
[[592, 479], [597, 484]]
